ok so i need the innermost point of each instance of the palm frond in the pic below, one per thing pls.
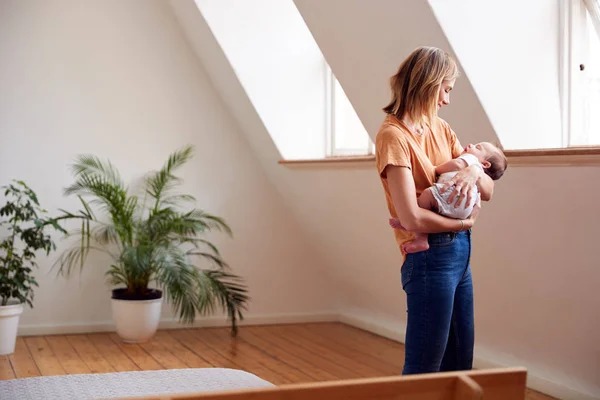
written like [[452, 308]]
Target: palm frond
[[73, 258], [87, 212], [209, 222], [196, 242], [215, 259], [138, 263], [105, 235], [177, 199], [172, 225], [90, 165], [225, 289], [180, 279], [157, 184], [117, 275]]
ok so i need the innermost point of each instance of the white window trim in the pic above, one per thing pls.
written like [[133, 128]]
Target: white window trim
[[571, 55], [331, 150], [593, 7], [565, 71]]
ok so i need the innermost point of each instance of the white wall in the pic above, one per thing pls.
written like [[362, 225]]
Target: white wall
[[536, 275], [118, 79], [280, 66], [510, 52]]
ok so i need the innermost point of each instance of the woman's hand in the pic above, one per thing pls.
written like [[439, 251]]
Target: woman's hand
[[470, 222], [464, 183]]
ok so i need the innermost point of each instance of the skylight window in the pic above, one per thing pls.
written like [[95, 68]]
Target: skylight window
[[346, 134], [582, 56]]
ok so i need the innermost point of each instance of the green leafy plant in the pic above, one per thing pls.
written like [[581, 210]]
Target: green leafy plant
[[151, 239], [24, 220]]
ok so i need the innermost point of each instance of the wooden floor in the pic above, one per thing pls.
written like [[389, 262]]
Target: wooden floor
[[278, 353]]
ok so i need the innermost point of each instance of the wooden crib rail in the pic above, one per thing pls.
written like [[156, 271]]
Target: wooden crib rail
[[489, 384]]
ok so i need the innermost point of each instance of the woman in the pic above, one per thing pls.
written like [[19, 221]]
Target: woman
[[411, 141]]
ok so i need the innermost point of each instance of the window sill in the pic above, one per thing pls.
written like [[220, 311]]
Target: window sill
[[571, 156], [337, 160], [576, 156]]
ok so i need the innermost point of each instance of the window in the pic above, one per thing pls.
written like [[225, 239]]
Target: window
[[581, 63], [346, 135]]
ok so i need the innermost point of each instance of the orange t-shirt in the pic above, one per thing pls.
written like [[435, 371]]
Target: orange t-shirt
[[397, 145]]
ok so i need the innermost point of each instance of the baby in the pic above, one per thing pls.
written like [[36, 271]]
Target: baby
[[486, 156]]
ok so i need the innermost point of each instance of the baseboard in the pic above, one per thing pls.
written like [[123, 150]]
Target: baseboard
[[388, 329], [173, 323], [483, 359], [542, 382]]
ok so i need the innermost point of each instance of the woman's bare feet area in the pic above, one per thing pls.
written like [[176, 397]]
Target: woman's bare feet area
[[420, 242], [395, 223], [417, 245]]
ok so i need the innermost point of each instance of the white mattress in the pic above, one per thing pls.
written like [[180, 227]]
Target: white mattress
[[128, 384]]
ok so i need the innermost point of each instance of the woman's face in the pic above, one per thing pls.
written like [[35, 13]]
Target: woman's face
[[444, 95]]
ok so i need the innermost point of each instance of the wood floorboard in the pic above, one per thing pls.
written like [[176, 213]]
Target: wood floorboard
[[190, 359], [232, 352], [366, 354], [112, 353], [22, 362], [303, 352], [88, 352], [138, 356], [163, 356], [211, 356], [67, 356], [357, 368], [247, 356], [43, 356], [6, 370], [315, 373], [281, 354]]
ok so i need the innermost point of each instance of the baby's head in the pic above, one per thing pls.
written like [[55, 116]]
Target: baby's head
[[492, 159]]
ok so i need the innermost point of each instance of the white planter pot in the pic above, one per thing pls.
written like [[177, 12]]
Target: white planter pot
[[136, 320], [9, 323]]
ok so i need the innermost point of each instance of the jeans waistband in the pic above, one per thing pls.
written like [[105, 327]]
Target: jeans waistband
[[451, 234]]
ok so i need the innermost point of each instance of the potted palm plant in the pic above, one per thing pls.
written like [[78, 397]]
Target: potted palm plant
[[150, 238], [25, 226]]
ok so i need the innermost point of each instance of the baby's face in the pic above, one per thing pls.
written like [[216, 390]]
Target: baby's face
[[481, 150]]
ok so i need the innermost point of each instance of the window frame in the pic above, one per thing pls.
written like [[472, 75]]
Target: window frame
[[593, 7], [567, 154], [331, 151], [573, 27]]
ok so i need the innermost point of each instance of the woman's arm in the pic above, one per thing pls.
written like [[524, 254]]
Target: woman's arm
[[414, 218], [485, 184], [465, 180]]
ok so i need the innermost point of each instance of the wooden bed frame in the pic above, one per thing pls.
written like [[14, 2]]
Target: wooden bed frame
[[489, 384]]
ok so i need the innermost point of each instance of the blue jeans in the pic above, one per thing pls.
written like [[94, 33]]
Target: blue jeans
[[440, 332]]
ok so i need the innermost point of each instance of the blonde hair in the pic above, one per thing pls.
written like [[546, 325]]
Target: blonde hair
[[416, 85]]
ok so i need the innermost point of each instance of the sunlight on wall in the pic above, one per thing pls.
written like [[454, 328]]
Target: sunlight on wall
[[280, 67]]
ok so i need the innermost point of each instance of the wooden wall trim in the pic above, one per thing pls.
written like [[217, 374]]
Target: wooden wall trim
[[581, 156]]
